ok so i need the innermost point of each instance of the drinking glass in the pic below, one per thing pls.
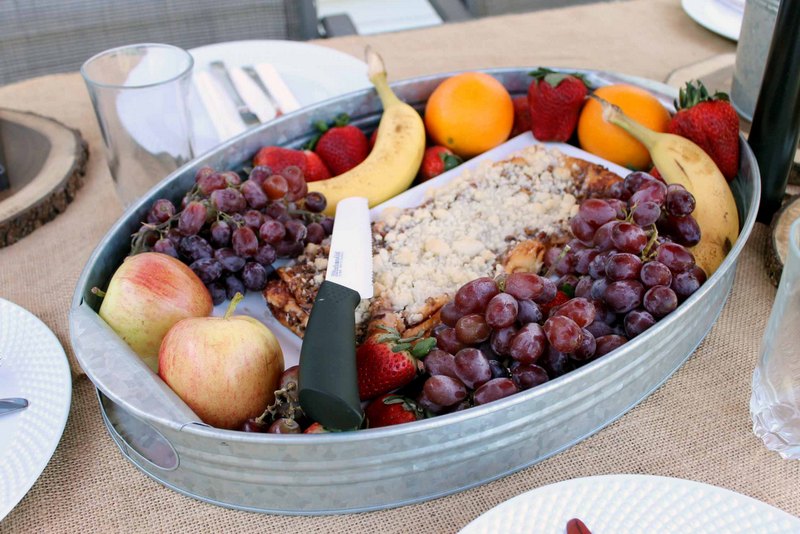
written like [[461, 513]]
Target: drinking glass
[[140, 94], [775, 401]]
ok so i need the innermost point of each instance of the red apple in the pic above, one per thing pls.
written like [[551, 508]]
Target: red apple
[[147, 295], [226, 369]]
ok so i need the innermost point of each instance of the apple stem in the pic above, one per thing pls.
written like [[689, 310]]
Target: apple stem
[[237, 298], [99, 292]]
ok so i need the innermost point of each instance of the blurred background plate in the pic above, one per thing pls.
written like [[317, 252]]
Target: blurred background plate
[[720, 16], [617, 504], [33, 365]]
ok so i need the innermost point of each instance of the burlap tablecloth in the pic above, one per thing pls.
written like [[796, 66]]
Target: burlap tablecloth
[[696, 426]]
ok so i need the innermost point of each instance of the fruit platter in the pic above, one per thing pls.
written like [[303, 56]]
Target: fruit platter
[[509, 362]]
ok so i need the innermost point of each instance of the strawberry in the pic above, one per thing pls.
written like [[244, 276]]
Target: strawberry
[[555, 100], [390, 410], [278, 158], [372, 139], [436, 160], [315, 428], [386, 362], [655, 174], [560, 298], [315, 168], [711, 122], [342, 148], [522, 115]]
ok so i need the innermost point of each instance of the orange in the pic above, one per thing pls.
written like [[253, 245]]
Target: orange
[[469, 113], [611, 142]]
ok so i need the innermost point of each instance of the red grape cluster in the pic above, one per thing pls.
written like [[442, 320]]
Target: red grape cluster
[[230, 231], [626, 268]]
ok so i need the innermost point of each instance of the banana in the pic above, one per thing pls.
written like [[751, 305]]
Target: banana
[[395, 159], [680, 161]]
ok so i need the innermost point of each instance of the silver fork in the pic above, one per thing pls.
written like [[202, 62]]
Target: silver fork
[[220, 71]]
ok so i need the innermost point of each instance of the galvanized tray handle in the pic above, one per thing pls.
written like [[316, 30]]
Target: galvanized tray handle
[[120, 374]]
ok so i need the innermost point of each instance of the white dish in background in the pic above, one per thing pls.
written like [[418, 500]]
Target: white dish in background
[[620, 504], [33, 365], [719, 16], [312, 73]]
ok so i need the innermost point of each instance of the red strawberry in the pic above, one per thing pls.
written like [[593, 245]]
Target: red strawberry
[[315, 168], [522, 115], [315, 428], [555, 100], [560, 298], [342, 148], [711, 122], [392, 410], [437, 159], [278, 158], [386, 362]]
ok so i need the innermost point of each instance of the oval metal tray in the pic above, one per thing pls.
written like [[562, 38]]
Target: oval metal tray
[[385, 467]]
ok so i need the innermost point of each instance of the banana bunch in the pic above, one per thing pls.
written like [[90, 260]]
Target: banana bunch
[[680, 161], [395, 159]]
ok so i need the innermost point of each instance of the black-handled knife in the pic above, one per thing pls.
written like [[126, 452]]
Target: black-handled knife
[[5, 182], [328, 385]]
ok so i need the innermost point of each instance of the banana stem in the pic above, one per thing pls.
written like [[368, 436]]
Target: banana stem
[[376, 71], [614, 115]]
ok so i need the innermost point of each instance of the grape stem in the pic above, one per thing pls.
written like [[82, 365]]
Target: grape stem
[[560, 257], [650, 243]]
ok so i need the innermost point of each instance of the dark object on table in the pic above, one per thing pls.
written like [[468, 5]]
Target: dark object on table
[[45, 162], [776, 120], [4, 181]]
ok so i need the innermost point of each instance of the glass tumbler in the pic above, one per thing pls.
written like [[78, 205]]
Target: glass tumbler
[[775, 401], [140, 94]]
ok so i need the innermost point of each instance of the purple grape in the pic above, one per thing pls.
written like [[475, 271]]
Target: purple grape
[[447, 341], [165, 246], [583, 258], [228, 200], [623, 296], [327, 225], [444, 390], [628, 237], [244, 242], [623, 266], [276, 210], [202, 172], [637, 321], [233, 285], [254, 219], [288, 249], [654, 191], [254, 195], [683, 230], [636, 180], [646, 213], [617, 190], [295, 230], [687, 282], [161, 211], [439, 362], [602, 238], [315, 233], [655, 273], [194, 247], [192, 218], [266, 255], [473, 296], [254, 276], [494, 389], [599, 328], [584, 287], [526, 375], [556, 363], [530, 286], [580, 310], [586, 347], [206, 269], [528, 312], [606, 344], [259, 174], [316, 202], [472, 329], [217, 292], [501, 339], [501, 311], [598, 289], [471, 367], [596, 212], [272, 231], [209, 183], [232, 178], [498, 369], [680, 202], [562, 333], [220, 234], [659, 301], [528, 344], [229, 259], [675, 257], [582, 229], [174, 235]]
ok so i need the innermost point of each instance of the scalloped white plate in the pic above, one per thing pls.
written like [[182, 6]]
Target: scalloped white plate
[[719, 16], [33, 365], [620, 504]]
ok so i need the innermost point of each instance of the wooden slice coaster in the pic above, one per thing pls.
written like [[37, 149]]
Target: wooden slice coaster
[[45, 162], [779, 240]]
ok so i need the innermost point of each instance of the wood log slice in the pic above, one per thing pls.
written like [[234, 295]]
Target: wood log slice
[[779, 240], [46, 164]]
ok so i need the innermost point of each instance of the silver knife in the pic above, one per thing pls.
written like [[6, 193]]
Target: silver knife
[[12, 405], [328, 385], [250, 71], [220, 72]]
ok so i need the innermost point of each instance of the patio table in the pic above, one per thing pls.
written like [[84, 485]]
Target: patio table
[[695, 426]]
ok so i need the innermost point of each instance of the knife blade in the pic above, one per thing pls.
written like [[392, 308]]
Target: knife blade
[[328, 384], [220, 72], [253, 94], [12, 405]]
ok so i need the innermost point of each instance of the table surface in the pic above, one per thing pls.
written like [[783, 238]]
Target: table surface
[[695, 426]]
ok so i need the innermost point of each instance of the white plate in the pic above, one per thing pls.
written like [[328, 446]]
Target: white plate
[[33, 365], [719, 16], [313, 73], [253, 302], [619, 504]]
